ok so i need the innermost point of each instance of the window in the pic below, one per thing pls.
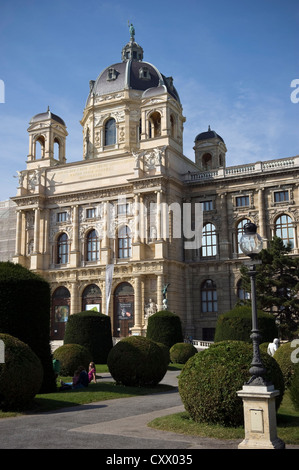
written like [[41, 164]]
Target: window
[[61, 216], [124, 242], [209, 301], [90, 213], [154, 125], [111, 74], [284, 229], [209, 240], [62, 249], [144, 73], [281, 196], [207, 206], [240, 232], [110, 132], [207, 162], [123, 209], [242, 201], [39, 147], [92, 246]]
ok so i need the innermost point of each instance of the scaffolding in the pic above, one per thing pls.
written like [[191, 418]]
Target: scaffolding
[[8, 220]]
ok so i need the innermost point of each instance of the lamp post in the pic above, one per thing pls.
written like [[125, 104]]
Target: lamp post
[[251, 244], [257, 395]]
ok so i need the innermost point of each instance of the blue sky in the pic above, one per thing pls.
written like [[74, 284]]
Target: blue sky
[[232, 61]]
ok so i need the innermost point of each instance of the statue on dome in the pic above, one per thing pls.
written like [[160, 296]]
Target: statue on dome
[[132, 32]]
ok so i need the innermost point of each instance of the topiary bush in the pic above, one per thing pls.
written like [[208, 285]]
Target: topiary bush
[[283, 357], [92, 330], [210, 379], [71, 356], [294, 387], [21, 375], [165, 327], [236, 325], [25, 314], [165, 351], [181, 352], [137, 361]]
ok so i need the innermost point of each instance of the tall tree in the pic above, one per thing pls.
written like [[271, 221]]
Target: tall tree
[[277, 285]]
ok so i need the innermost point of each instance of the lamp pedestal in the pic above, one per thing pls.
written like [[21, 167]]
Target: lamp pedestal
[[260, 417]]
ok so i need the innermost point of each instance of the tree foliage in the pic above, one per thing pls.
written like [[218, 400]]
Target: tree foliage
[[277, 285]]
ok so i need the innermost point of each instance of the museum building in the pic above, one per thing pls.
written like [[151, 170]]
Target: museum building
[[135, 215]]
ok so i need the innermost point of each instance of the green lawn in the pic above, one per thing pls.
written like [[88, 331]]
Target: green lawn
[[287, 425], [287, 417]]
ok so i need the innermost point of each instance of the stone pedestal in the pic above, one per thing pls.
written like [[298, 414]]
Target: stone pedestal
[[260, 417]]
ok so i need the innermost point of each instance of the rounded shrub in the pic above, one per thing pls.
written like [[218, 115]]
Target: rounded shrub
[[21, 375], [71, 356], [25, 314], [92, 330], [209, 382], [236, 325], [283, 356], [165, 327], [137, 361], [181, 352], [165, 351]]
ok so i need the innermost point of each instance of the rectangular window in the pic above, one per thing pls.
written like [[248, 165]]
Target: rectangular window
[[61, 216], [90, 213], [281, 196], [123, 209], [207, 206], [242, 201]]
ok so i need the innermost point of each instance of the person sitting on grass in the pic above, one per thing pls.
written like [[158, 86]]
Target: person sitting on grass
[[92, 373], [80, 380]]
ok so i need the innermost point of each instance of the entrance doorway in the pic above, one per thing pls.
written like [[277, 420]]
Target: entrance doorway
[[92, 298], [60, 312], [123, 310]]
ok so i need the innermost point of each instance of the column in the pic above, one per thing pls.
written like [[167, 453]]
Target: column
[[36, 248], [75, 253], [159, 291], [136, 330], [261, 207]]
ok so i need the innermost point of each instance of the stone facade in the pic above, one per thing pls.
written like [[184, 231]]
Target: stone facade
[[127, 203]]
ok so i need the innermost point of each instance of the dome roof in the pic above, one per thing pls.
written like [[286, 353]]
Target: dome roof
[[132, 73], [45, 116], [208, 135]]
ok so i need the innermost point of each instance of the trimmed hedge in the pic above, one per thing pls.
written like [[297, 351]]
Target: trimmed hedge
[[71, 356], [181, 352], [165, 327], [137, 361], [92, 330], [283, 357], [236, 325], [294, 388], [25, 314], [21, 375], [210, 379]]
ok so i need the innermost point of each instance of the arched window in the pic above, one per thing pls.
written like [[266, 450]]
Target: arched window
[[92, 298], [62, 249], [92, 246], [124, 242], [110, 132], [56, 149], [209, 240], [172, 125], [240, 232], [209, 301], [154, 125], [207, 161], [39, 151], [284, 229]]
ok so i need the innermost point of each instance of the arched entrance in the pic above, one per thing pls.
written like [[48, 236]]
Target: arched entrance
[[92, 298], [60, 312], [123, 310]]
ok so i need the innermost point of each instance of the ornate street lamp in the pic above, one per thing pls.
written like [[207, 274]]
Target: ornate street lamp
[[257, 395], [251, 244]]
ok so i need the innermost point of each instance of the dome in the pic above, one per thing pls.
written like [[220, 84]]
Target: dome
[[132, 73], [208, 135], [45, 116]]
